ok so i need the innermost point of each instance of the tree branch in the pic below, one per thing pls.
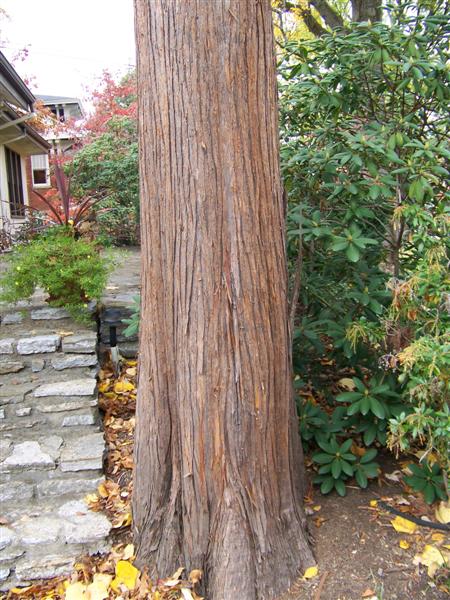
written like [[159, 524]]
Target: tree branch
[[328, 14]]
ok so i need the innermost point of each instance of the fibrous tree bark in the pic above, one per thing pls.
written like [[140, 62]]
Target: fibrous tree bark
[[218, 479], [366, 10]]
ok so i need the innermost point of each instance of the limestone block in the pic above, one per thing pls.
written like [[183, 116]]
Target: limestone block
[[52, 445], [44, 567], [49, 313], [11, 400], [83, 454], [27, 455], [10, 553], [23, 412], [69, 361], [83, 343], [38, 344], [76, 387], [7, 346], [77, 420], [37, 364], [60, 487], [16, 390], [4, 573], [41, 530], [2, 413], [7, 536], [5, 448], [12, 318], [55, 407], [15, 491], [10, 367], [82, 525]]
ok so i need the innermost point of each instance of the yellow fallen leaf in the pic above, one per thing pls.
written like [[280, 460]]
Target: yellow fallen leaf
[[403, 544], [99, 588], [103, 386], [347, 383], [403, 525], [432, 558], [131, 371], [90, 498], [128, 552], [123, 386], [102, 490], [76, 591], [442, 512], [19, 591], [131, 363], [126, 574], [122, 521], [317, 508], [311, 572], [374, 503]]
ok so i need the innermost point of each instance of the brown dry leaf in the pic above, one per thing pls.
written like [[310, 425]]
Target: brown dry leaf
[[195, 576], [319, 521], [368, 593]]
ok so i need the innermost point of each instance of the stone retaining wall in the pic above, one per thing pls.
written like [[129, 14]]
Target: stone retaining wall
[[51, 443]]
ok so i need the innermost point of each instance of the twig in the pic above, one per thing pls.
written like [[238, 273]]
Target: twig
[[320, 588]]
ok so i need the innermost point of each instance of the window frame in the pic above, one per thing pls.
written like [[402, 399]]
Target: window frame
[[47, 183], [14, 179]]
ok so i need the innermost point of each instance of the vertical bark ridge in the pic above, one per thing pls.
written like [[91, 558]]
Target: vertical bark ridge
[[216, 483]]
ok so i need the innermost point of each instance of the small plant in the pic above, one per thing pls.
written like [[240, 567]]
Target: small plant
[[63, 208], [71, 271], [133, 320], [370, 398], [338, 464], [428, 480]]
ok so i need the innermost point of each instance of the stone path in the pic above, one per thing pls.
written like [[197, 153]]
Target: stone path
[[123, 286], [51, 443]]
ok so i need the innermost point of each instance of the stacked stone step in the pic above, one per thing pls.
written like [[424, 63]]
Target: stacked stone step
[[51, 443]]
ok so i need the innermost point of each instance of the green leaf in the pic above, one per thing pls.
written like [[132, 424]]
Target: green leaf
[[322, 459], [336, 468], [361, 478], [377, 408], [371, 470], [368, 456], [340, 487], [428, 493], [345, 447], [352, 253], [327, 485], [347, 468], [348, 396]]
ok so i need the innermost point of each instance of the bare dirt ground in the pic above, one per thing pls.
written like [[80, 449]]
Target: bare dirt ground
[[358, 551]]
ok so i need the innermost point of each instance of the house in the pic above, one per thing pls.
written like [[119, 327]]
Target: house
[[61, 137], [18, 140]]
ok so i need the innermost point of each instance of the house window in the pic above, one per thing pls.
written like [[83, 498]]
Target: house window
[[15, 188], [58, 111], [40, 170]]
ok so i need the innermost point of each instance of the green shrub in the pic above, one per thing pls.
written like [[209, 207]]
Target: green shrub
[[365, 159], [70, 270]]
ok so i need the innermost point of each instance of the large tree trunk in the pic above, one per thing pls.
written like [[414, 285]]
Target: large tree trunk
[[218, 480], [366, 10]]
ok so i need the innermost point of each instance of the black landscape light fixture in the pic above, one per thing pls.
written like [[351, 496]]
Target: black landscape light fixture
[[113, 318]]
